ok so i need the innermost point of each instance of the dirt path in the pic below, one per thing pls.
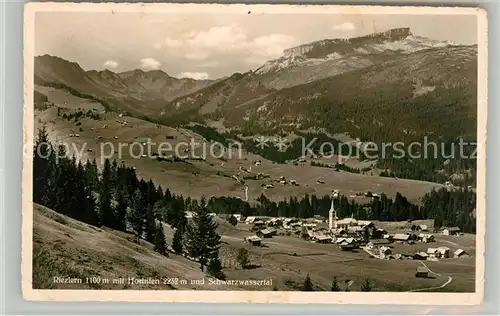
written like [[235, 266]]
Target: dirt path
[[435, 287]]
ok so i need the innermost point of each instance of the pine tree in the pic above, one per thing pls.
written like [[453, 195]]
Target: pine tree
[[202, 240], [42, 152], [366, 286], [160, 242], [150, 224], [335, 285], [121, 210], [214, 268], [307, 286], [106, 214], [177, 240], [242, 258], [136, 215]]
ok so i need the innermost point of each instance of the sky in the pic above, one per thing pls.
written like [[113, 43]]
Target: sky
[[214, 45]]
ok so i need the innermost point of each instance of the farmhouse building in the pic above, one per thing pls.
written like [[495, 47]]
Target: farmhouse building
[[346, 223], [266, 233], [459, 253], [444, 252], [401, 237], [451, 231], [254, 240], [420, 256], [426, 238], [422, 272]]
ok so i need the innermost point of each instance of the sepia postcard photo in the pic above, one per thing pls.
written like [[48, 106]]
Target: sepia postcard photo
[[254, 153]]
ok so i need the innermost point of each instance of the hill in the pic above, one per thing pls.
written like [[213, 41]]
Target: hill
[[124, 92], [64, 247]]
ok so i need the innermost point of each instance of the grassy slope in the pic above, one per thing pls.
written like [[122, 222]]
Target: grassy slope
[[179, 176], [65, 247], [68, 248]]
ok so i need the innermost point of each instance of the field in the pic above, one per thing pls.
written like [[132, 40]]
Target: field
[[68, 248], [212, 176]]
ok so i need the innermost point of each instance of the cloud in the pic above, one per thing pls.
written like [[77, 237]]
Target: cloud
[[194, 75], [196, 55], [229, 40], [150, 64], [110, 64], [168, 42], [209, 64], [345, 27]]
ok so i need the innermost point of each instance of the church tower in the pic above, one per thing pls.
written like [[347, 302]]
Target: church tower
[[332, 217]]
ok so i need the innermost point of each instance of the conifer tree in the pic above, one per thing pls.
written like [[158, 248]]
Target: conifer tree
[[106, 214], [150, 224], [214, 268], [121, 210], [366, 286], [136, 215], [177, 240], [307, 286], [335, 285], [42, 150], [202, 240], [160, 241]]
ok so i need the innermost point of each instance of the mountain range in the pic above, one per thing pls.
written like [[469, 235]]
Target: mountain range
[[383, 86]]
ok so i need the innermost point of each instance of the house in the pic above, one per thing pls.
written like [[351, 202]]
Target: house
[[376, 242], [420, 256], [250, 219], [415, 227], [378, 233], [365, 224], [401, 237], [254, 240], [424, 228], [449, 231], [385, 252], [346, 223], [460, 253], [275, 222], [309, 225], [433, 253], [323, 239], [422, 272], [444, 252], [266, 233], [426, 238]]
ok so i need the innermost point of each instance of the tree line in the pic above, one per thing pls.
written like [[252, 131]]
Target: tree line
[[116, 198], [448, 208]]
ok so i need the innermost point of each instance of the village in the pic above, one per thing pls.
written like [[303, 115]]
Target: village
[[411, 242]]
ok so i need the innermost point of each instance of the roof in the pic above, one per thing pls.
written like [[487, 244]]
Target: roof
[[379, 241], [401, 237], [254, 238], [422, 254], [424, 227], [452, 229], [422, 270], [323, 237], [364, 223], [347, 221], [422, 235], [459, 252], [267, 231], [432, 250]]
